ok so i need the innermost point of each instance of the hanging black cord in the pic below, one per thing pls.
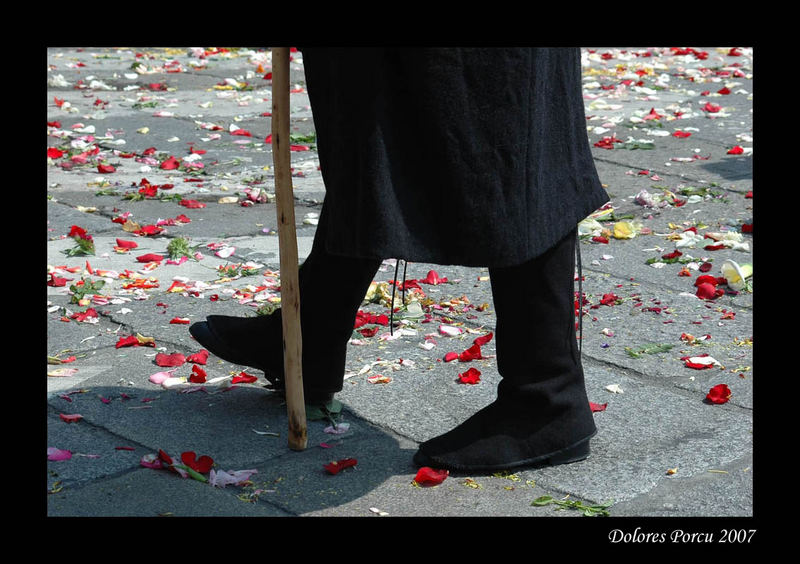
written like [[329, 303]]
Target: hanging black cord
[[391, 306], [402, 292], [580, 294]]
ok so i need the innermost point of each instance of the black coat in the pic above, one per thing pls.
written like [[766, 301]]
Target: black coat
[[478, 157]]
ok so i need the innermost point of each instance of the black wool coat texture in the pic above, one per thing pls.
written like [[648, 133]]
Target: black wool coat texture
[[469, 156]]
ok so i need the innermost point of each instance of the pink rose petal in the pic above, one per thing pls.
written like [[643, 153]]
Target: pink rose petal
[[58, 454], [221, 478], [159, 377]]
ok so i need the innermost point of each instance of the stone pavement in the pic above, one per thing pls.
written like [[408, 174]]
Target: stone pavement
[[165, 147]]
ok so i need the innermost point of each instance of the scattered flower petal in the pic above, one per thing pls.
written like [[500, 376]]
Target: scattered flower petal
[[175, 359], [200, 357], [719, 394], [198, 375], [244, 377], [701, 362], [151, 461], [471, 376], [159, 377], [339, 465], [338, 429], [58, 454], [427, 477], [480, 341], [736, 275], [202, 464], [450, 331], [472, 353], [150, 257], [221, 478], [379, 379]]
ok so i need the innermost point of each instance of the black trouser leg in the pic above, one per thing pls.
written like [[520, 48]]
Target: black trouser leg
[[537, 351], [331, 290], [541, 414]]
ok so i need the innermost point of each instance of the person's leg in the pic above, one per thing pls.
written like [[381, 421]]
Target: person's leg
[[541, 415], [331, 290]]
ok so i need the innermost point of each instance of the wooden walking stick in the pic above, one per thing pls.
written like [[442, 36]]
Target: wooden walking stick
[[287, 243]]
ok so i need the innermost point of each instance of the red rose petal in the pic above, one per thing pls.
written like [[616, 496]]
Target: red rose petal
[[609, 299], [471, 376], [245, 378], [122, 243], [150, 257], [202, 464], [427, 477], [130, 341], [163, 456], [339, 465], [433, 278], [198, 357], [192, 204], [597, 406], [170, 164], [371, 332], [175, 359], [719, 394], [198, 375], [480, 341], [707, 291], [472, 353]]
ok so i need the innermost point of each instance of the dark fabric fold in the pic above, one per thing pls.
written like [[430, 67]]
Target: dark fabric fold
[[469, 156]]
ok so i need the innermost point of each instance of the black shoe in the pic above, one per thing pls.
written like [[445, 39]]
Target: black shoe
[[506, 436], [249, 341], [234, 339], [542, 414]]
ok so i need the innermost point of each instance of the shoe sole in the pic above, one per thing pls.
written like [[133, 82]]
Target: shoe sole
[[574, 453]]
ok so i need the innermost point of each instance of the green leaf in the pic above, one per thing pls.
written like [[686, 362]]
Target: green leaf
[[317, 412], [266, 309], [297, 138], [648, 349], [562, 504], [180, 247], [87, 288], [192, 473]]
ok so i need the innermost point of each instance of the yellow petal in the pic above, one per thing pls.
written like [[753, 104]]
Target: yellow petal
[[145, 340], [623, 230]]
